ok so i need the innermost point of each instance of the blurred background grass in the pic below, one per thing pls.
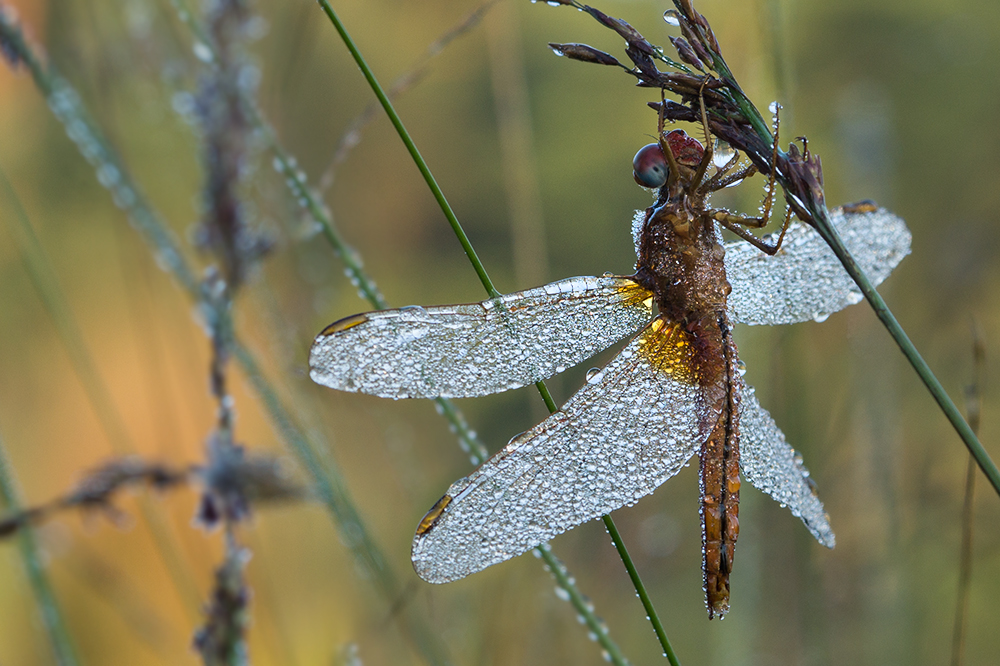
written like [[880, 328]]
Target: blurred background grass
[[899, 98]]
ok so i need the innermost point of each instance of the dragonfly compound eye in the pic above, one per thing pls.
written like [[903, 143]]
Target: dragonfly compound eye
[[649, 166]]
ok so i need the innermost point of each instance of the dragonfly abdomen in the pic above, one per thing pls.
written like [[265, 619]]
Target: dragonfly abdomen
[[719, 468]]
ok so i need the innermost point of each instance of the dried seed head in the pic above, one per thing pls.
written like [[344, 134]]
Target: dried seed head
[[222, 640], [98, 487], [631, 35], [233, 481], [584, 53], [686, 53]]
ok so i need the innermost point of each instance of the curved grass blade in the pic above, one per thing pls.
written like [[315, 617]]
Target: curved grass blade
[[449, 214], [800, 175], [809, 191]]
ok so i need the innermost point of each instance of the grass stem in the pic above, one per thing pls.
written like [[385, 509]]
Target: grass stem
[[640, 589], [909, 350], [470, 252], [52, 618], [973, 412], [412, 149], [112, 173], [43, 277]]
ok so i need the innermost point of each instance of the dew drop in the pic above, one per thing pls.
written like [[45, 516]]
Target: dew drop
[[202, 52], [672, 17], [183, 103], [722, 154], [593, 372]]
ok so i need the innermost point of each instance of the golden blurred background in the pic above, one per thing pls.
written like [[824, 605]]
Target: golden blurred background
[[901, 99]]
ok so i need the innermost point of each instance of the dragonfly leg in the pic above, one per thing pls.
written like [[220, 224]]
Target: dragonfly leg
[[738, 223], [772, 181], [726, 177], [673, 173], [706, 158]]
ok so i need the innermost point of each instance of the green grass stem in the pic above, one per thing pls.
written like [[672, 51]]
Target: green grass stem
[[640, 589], [412, 149], [487, 284], [43, 277], [824, 226], [52, 617], [113, 175], [297, 182], [909, 350]]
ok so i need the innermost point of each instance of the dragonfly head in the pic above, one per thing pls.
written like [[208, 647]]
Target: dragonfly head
[[649, 166], [687, 150]]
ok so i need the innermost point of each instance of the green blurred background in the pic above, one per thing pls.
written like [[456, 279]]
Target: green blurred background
[[900, 98]]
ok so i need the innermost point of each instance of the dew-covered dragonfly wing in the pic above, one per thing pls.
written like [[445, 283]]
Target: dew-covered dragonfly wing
[[482, 348], [632, 426], [805, 280], [771, 465]]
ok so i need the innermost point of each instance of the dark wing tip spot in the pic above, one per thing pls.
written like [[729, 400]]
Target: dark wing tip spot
[[344, 324], [428, 522], [858, 207]]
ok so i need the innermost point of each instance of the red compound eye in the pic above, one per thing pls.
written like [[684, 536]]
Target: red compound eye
[[649, 167]]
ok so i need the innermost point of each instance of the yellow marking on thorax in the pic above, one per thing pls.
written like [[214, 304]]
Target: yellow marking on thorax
[[667, 347], [635, 293]]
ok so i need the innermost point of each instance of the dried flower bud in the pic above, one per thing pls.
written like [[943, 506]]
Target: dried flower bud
[[630, 34], [97, 488], [703, 53], [695, 42], [222, 640], [806, 176], [584, 53], [233, 481], [686, 53]]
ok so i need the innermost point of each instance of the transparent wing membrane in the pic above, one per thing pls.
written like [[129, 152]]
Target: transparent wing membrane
[[805, 280], [771, 465], [481, 348], [630, 428]]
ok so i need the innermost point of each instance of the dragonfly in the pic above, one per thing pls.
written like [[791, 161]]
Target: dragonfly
[[674, 391]]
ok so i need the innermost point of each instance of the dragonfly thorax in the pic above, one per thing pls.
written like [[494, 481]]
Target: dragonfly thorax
[[681, 260]]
